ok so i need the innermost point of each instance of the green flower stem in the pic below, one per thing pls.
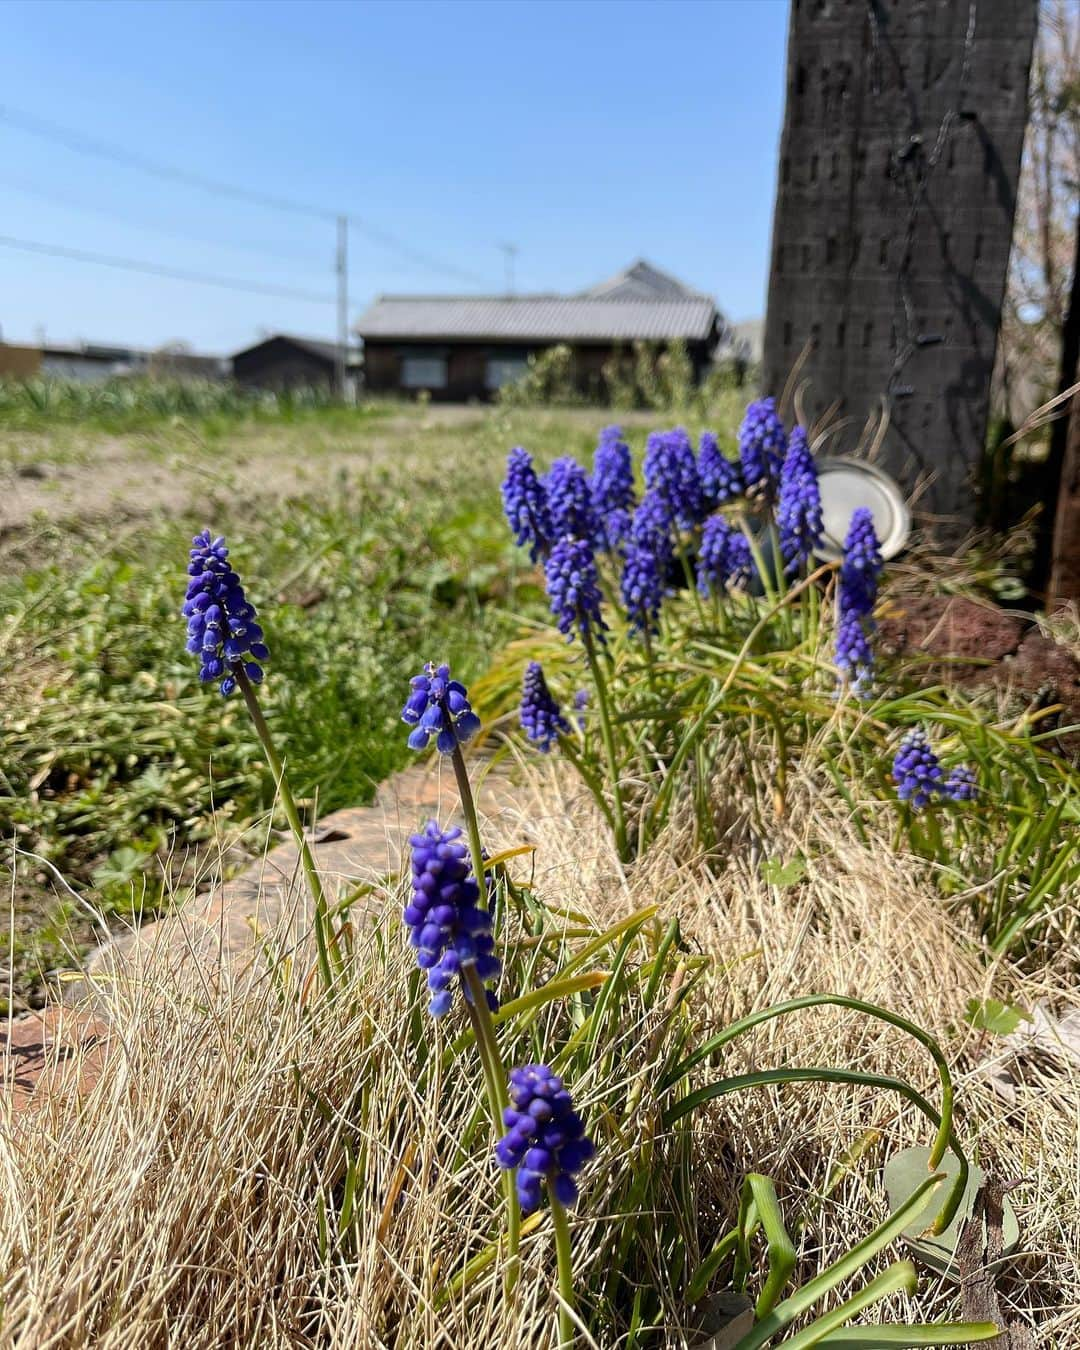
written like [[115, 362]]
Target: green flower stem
[[609, 743], [691, 583], [759, 560], [288, 801], [468, 810], [498, 1100], [483, 1027], [566, 1271]]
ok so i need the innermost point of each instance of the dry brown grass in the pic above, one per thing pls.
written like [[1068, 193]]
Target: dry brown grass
[[180, 1204]]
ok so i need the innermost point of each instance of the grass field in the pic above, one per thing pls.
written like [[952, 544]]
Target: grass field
[[277, 1162], [376, 533]]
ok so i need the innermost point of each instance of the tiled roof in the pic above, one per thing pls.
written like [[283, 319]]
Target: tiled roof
[[538, 318]]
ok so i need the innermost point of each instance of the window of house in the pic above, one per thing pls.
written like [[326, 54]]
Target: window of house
[[423, 372], [504, 370]]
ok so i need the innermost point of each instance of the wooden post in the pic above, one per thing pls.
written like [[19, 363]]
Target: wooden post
[[899, 164]]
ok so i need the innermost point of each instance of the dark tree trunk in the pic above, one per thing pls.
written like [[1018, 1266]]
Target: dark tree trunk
[[899, 164]]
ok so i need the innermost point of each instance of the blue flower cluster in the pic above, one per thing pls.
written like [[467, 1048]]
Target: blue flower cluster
[[446, 925], [919, 777], [570, 500], [862, 564], [671, 472], [720, 478], [724, 556], [222, 630], [856, 596], [612, 488], [762, 444], [541, 717], [526, 505], [439, 706], [798, 511], [546, 1138], [573, 589]]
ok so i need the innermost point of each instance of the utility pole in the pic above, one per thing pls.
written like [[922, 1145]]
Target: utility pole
[[511, 251], [342, 304]]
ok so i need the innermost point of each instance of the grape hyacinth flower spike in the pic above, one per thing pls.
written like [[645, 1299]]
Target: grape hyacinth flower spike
[[570, 500], [526, 505], [446, 923], [612, 489], [439, 706], [919, 777], [862, 564], [222, 630], [762, 444], [855, 600], [541, 717], [720, 478], [573, 588], [547, 1144], [671, 471], [724, 556], [223, 633], [798, 512], [546, 1138]]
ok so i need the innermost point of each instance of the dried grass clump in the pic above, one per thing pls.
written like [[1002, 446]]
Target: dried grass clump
[[195, 1197]]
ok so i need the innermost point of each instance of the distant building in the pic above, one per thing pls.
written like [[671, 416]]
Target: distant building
[[467, 347], [285, 362], [94, 363]]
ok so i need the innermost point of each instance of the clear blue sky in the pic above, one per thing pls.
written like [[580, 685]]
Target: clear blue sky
[[587, 133]]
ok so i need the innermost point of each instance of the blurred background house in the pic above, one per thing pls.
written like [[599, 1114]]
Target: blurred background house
[[284, 362], [468, 347]]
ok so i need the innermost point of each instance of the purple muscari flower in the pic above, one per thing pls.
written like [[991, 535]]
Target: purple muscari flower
[[854, 653], [762, 444], [570, 500], [862, 564], [545, 1137], [614, 530], [960, 784], [570, 573], [526, 504], [541, 717], [642, 587], [798, 511], [672, 472], [439, 706], [856, 594], [720, 479], [222, 630], [724, 556], [613, 473], [581, 702], [916, 770], [447, 926]]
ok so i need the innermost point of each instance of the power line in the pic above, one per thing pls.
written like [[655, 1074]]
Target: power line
[[87, 145], [174, 273], [73, 204]]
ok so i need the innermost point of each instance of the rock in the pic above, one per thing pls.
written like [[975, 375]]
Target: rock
[[37, 471]]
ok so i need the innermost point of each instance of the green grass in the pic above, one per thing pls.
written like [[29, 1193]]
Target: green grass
[[370, 539]]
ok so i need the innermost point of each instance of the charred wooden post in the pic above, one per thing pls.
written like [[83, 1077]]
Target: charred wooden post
[[899, 163]]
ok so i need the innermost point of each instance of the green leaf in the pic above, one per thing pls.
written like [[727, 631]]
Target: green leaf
[[782, 874], [989, 1014], [903, 1335]]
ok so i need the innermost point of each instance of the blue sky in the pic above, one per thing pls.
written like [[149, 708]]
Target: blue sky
[[586, 133]]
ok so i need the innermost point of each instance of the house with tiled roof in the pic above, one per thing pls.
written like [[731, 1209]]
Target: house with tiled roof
[[461, 347]]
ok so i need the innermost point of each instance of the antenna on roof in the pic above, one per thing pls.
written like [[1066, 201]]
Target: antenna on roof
[[511, 251]]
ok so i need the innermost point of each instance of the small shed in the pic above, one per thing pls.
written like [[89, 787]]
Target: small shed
[[284, 362], [467, 347]]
